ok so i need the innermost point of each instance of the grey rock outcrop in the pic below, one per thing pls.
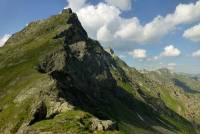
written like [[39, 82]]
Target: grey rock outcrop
[[102, 125]]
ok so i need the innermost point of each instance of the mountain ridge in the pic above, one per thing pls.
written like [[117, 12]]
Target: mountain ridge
[[55, 79]]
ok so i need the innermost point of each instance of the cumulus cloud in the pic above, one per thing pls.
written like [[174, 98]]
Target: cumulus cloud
[[155, 58], [171, 66], [76, 4], [104, 34], [193, 33], [104, 22], [101, 17], [122, 4], [170, 51], [196, 53], [122, 56], [4, 39], [159, 26], [138, 53]]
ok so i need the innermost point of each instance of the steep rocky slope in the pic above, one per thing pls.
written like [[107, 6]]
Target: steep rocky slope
[[55, 79], [184, 87], [187, 82]]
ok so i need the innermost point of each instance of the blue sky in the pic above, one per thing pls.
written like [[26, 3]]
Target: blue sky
[[128, 26]]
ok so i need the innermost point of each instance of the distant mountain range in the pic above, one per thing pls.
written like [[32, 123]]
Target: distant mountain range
[[187, 82], [197, 75], [54, 79]]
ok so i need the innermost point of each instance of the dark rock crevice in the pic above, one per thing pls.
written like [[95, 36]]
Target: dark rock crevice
[[39, 113]]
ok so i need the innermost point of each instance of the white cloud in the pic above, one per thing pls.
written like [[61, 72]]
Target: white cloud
[[138, 53], [122, 56], [171, 66], [185, 13], [193, 33], [170, 51], [104, 34], [122, 4], [76, 4], [4, 39], [98, 18], [196, 54], [155, 58], [160, 25], [105, 23]]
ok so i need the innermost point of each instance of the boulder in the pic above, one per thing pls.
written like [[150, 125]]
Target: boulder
[[102, 125], [58, 107]]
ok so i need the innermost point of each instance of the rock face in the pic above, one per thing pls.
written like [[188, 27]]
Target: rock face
[[185, 89], [55, 79], [99, 125], [58, 107], [39, 113]]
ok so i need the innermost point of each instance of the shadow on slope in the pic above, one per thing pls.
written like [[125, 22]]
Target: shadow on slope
[[84, 79], [88, 84], [183, 86]]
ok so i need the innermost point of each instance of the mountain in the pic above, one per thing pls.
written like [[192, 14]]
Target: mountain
[[55, 79], [198, 75], [187, 82]]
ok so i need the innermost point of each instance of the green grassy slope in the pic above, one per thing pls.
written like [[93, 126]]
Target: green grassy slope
[[185, 90], [53, 78]]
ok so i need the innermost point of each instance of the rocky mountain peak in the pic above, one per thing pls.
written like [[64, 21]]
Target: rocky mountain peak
[[68, 11], [58, 80]]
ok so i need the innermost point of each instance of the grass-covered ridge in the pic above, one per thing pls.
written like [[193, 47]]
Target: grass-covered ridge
[[54, 78]]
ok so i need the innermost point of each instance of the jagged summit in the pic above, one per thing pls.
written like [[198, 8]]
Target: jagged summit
[[68, 11], [55, 79], [57, 24]]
